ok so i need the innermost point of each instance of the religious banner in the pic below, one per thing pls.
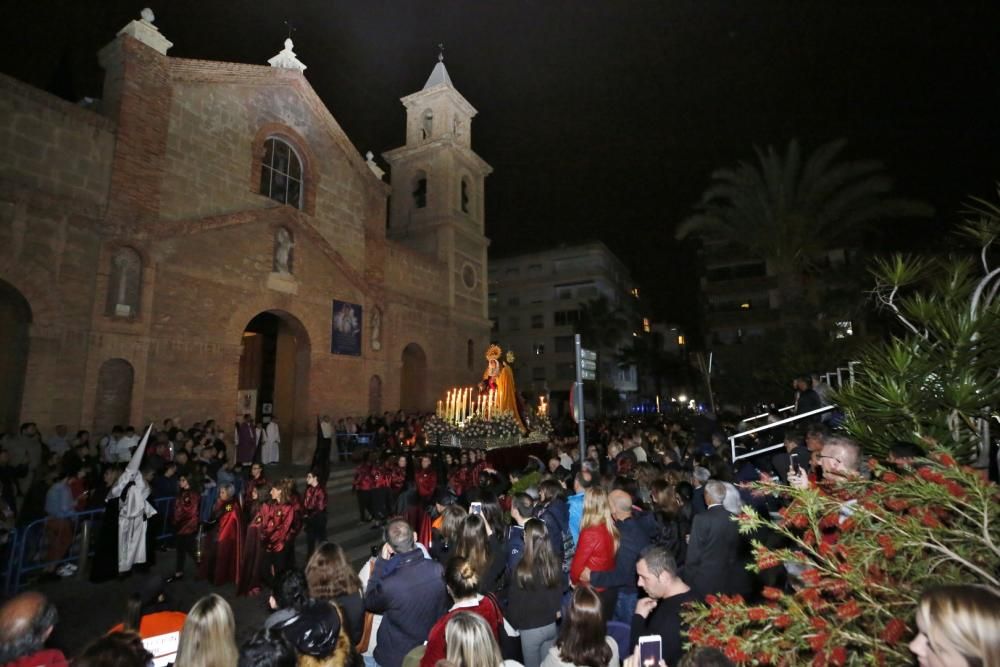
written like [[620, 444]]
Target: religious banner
[[346, 334], [246, 403]]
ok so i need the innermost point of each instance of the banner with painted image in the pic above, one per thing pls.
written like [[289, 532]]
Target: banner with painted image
[[346, 336]]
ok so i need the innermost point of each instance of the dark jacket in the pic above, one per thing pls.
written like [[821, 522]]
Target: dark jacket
[[635, 534], [513, 548], [408, 590], [665, 621], [716, 556], [555, 514]]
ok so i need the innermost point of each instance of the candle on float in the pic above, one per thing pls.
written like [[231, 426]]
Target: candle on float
[[467, 404]]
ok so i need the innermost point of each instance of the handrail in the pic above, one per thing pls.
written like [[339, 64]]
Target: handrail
[[762, 415], [780, 422]]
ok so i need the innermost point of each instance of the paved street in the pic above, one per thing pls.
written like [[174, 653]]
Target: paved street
[[87, 610]]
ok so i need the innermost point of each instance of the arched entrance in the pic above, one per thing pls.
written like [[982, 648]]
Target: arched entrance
[[413, 379], [375, 395], [15, 314], [274, 374], [113, 406]]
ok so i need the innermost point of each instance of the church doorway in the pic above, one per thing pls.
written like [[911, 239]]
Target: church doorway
[[413, 379], [113, 406], [15, 313], [375, 395], [274, 375]]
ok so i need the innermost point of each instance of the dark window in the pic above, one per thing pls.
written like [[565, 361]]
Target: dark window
[[566, 317], [537, 321], [538, 373], [565, 344], [281, 173], [465, 196], [513, 324], [420, 193], [514, 301]]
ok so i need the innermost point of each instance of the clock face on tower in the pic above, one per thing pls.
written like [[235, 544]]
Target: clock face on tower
[[469, 276]]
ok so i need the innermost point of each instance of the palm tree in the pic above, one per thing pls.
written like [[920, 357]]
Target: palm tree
[[789, 214], [646, 353], [601, 327]]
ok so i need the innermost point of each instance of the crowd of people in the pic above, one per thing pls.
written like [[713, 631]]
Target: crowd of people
[[570, 558]]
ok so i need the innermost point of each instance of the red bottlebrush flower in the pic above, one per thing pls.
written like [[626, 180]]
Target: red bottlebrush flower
[[955, 489], [736, 655], [929, 520], [848, 524], [845, 568], [766, 559], [818, 641], [947, 460], [888, 548], [711, 599], [894, 631], [849, 610], [772, 593], [810, 576], [696, 635], [809, 538], [831, 520], [757, 613], [717, 613], [818, 623], [783, 621], [837, 588], [838, 656], [929, 475], [811, 597], [890, 477], [819, 659], [799, 521], [896, 504]]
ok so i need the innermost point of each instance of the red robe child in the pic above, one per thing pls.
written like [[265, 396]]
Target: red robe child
[[224, 553]]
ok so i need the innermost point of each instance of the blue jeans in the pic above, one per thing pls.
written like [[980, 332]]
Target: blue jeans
[[625, 607]]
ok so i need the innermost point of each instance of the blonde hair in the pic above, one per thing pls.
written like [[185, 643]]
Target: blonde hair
[[208, 638], [597, 512], [470, 642], [967, 617]]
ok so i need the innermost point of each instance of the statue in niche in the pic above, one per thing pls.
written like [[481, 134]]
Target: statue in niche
[[376, 329], [283, 245], [124, 285]]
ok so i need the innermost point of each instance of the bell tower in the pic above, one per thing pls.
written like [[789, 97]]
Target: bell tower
[[437, 190]]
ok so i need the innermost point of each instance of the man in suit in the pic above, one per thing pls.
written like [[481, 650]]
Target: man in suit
[[794, 456], [717, 553]]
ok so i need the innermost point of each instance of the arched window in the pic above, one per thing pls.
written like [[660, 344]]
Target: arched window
[[281, 173], [427, 129], [124, 284], [420, 190], [465, 195]]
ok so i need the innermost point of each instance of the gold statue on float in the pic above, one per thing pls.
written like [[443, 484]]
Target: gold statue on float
[[500, 379]]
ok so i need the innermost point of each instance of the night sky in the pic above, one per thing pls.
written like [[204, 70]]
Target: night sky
[[603, 120]]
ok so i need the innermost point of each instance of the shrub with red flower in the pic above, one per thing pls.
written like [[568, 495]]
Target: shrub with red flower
[[858, 586]]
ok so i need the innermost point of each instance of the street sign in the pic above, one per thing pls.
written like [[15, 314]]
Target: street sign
[[589, 355], [588, 375], [588, 365]]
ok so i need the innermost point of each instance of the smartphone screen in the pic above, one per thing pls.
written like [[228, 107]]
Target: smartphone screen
[[650, 651], [475, 508]]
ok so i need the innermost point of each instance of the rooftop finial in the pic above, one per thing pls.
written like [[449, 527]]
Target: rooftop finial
[[440, 52], [291, 28], [147, 15]]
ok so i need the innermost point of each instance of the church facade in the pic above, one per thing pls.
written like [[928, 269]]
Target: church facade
[[209, 242]]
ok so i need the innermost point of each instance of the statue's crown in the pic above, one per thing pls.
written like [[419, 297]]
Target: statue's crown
[[493, 352]]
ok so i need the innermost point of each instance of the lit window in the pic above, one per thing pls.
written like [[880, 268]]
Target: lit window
[[635, 292], [844, 328], [281, 173], [539, 349], [680, 340], [645, 325], [745, 305]]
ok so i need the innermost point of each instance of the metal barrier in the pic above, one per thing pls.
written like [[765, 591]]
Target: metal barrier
[[28, 543], [766, 427], [351, 440]]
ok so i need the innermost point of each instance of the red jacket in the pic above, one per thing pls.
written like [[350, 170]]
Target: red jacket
[[427, 481], [276, 525], [186, 512], [315, 500], [46, 657], [363, 478], [436, 647], [459, 480], [595, 550], [397, 476], [381, 477]]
